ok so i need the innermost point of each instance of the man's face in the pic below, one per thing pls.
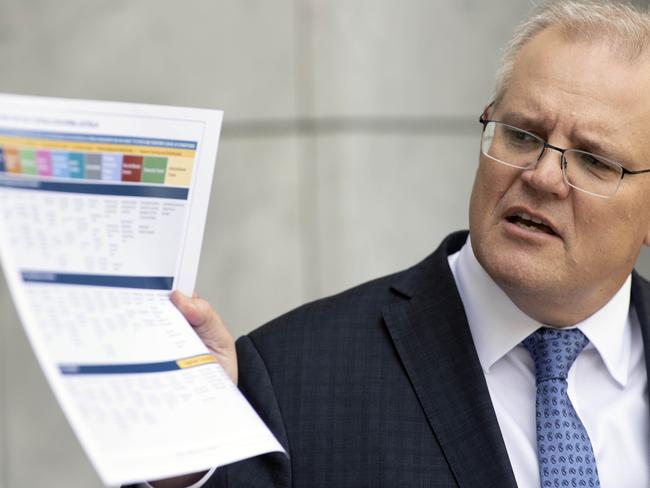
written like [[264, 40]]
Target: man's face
[[574, 95]]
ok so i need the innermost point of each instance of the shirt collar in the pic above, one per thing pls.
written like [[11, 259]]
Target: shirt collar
[[498, 326]]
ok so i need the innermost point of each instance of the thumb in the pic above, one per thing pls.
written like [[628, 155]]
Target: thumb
[[210, 328]]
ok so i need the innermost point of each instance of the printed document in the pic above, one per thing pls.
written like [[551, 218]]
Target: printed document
[[102, 210]]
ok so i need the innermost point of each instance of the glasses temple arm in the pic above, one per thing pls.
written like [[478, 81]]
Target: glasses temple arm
[[632, 172]]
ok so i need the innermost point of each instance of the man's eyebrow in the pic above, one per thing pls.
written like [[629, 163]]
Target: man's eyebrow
[[520, 119], [595, 144]]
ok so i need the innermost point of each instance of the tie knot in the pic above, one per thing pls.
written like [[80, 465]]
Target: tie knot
[[554, 351]]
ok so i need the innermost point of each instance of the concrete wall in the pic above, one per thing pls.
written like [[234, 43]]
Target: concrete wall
[[348, 150]]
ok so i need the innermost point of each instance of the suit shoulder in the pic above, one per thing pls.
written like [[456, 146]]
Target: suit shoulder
[[357, 307], [356, 314]]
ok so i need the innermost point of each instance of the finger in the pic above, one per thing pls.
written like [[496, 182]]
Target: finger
[[204, 319], [196, 315], [210, 328]]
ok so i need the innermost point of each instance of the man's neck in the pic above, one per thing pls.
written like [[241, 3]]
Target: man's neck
[[559, 309]]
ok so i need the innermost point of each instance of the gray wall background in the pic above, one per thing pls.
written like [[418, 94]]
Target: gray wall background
[[348, 150]]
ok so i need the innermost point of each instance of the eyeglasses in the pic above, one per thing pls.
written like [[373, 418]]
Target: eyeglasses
[[587, 172]]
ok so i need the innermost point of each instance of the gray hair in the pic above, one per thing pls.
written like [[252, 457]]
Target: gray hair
[[624, 26]]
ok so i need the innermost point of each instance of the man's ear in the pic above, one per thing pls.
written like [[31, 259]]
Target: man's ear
[[488, 109]]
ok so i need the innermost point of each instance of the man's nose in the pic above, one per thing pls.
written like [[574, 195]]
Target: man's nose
[[547, 175]]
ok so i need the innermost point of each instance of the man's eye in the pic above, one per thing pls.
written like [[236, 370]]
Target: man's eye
[[519, 137], [593, 162], [522, 136], [597, 166]]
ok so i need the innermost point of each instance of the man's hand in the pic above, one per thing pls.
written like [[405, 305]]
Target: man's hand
[[212, 331], [210, 328]]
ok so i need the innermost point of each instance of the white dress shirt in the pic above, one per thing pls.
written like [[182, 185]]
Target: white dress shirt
[[607, 382]]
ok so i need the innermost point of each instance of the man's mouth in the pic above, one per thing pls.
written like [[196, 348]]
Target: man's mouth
[[530, 223]]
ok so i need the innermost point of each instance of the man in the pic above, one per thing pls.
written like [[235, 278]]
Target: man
[[512, 357]]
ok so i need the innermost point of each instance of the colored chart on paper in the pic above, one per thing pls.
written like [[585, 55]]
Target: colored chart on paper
[[97, 157]]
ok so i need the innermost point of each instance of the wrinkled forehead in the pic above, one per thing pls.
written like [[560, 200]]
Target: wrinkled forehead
[[582, 58], [625, 33], [581, 87]]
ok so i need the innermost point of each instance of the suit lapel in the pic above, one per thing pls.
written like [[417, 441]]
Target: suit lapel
[[432, 337]]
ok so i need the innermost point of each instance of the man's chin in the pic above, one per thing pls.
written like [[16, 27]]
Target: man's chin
[[521, 270]]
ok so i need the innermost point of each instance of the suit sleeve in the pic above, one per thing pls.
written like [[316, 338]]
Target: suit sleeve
[[268, 470]]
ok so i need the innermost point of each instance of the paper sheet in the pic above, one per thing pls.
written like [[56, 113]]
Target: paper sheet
[[102, 210]]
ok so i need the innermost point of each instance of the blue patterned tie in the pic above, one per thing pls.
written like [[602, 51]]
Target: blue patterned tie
[[564, 450]]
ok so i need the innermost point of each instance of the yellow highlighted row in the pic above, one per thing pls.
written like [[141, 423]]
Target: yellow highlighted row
[[196, 361]]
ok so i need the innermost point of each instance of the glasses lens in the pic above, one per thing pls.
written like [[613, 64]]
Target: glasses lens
[[510, 145], [591, 173]]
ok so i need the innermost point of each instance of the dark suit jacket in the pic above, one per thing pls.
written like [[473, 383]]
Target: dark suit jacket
[[379, 386]]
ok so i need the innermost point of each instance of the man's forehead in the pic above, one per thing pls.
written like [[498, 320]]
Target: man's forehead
[[620, 47], [580, 83]]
